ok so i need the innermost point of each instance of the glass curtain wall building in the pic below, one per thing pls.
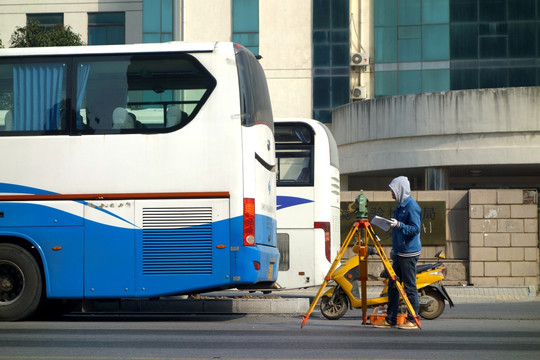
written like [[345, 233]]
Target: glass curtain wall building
[[439, 45], [157, 21], [331, 66]]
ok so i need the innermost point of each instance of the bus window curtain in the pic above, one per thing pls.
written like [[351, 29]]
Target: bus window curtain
[[83, 70], [37, 96]]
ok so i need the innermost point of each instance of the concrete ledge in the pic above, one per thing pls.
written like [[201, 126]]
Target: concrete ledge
[[288, 306]]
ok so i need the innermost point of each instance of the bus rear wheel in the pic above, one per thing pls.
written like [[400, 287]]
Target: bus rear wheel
[[21, 288]]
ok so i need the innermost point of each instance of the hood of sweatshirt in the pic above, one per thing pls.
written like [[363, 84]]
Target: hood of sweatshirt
[[401, 188]]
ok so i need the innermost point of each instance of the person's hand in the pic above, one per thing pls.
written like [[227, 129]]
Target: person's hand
[[394, 223]]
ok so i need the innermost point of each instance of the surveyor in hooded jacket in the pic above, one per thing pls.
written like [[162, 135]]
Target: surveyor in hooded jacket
[[406, 248]]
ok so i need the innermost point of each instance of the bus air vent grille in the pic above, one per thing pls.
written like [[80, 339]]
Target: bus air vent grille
[[177, 241]]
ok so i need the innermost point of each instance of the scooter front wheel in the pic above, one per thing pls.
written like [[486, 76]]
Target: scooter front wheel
[[431, 304], [335, 306]]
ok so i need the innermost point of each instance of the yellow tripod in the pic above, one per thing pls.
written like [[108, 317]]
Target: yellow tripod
[[365, 233]]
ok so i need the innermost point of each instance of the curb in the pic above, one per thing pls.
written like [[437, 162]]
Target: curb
[[286, 306], [285, 302]]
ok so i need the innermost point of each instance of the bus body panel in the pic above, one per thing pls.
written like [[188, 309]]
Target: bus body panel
[[306, 209], [102, 242], [56, 231]]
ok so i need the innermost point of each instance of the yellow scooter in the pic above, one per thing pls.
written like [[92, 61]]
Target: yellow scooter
[[344, 295]]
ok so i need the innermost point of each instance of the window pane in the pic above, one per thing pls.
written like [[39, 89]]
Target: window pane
[[493, 29], [106, 18], [33, 97], [47, 19], [151, 18], [521, 39], [97, 35], [166, 37], [435, 80], [151, 38], [493, 47], [435, 11], [409, 12], [410, 32], [492, 10], [339, 36], [521, 9], [321, 92], [410, 82], [385, 12], [321, 55], [410, 50], [464, 79], [321, 14], [493, 78], [386, 83], [385, 44], [435, 42], [166, 16], [321, 37], [463, 10], [463, 41], [522, 77], [324, 116], [245, 16], [115, 35], [340, 14], [340, 55], [139, 93], [246, 39], [340, 91]]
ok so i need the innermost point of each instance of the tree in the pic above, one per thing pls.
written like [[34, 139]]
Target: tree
[[33, 35]]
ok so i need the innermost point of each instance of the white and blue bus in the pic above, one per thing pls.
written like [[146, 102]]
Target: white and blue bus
[[308, 201], [134, 171]]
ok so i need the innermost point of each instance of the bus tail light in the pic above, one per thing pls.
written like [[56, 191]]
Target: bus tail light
[[249, 222], [257, 265], [325, 226]]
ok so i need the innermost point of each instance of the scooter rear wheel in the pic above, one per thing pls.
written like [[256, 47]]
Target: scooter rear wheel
[[334, 307], [434, 306]]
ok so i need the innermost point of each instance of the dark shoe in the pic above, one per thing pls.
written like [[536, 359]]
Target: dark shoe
[[384, 324]]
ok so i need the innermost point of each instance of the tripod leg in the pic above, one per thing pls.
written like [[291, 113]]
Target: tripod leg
[[330, 272]]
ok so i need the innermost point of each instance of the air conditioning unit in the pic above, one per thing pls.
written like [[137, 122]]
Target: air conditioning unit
[[360, 59], [358, 93]]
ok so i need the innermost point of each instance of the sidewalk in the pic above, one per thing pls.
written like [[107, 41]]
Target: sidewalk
[[286, 302], [458, 294]]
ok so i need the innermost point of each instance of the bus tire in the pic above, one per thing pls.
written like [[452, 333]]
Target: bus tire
[[21, 288]]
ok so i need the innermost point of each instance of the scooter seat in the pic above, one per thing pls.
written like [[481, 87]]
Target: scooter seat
[[419, 269]]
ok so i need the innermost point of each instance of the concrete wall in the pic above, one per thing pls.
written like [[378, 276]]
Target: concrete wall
[[491, 236], [465, 127], [503, 238]]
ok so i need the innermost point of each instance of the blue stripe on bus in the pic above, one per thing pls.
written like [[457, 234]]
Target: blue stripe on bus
[[288, 201], [115, 261]]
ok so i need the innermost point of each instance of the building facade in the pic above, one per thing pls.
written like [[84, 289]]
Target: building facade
[[338, 61]]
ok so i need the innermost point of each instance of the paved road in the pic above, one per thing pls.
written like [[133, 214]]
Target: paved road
[[466, 332]]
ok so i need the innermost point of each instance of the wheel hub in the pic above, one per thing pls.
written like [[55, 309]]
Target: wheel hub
[[11, 283]]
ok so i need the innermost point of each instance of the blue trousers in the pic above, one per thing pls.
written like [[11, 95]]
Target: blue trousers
[[405, 269]]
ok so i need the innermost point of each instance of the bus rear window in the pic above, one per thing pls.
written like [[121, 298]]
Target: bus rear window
[[254, 96]]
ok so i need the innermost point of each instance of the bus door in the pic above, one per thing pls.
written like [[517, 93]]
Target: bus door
[[182, 242], [109, 248]]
